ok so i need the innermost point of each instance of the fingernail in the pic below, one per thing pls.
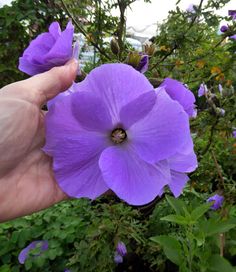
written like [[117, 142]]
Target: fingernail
[[72, 64], [72, 61]]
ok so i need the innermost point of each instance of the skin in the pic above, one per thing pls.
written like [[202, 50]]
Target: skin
[[27, 183]]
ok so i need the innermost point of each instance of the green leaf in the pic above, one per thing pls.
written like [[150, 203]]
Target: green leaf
[[200, 211], [213, 226], [176, 204], [171, 247], [178, 219], [220, 264]]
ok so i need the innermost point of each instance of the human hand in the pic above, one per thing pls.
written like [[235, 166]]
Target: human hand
[[27, 183]]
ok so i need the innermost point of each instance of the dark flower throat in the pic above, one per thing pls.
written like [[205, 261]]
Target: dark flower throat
[[118, 135]]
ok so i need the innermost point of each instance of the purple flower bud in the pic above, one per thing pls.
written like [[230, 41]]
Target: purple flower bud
[[232, 13], [191, 8], [220, 88], [143, 64], [121, 249], [118, 259], [217, 201], [221, 112], [202, 90], [233, 37], [224, 28], [234, 133], [24, 254]]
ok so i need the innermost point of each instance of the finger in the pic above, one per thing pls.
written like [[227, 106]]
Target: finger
[[47, 85], [43, 87]]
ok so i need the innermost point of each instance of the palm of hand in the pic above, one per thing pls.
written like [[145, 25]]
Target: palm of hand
[[27, 183], [26, 174]]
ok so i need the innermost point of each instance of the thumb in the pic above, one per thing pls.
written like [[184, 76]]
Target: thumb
[[47, 85], [43, 87]]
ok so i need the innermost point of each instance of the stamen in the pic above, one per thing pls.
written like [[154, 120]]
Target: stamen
[[118, 135]]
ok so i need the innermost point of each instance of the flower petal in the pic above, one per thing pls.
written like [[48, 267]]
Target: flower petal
[[75, 152], [178, 181], [75, 165], [60, 96], [185, 160], [24, 254], [162, 132], [55, 30], [132, 179], [116, 84], [62, 50], [91, 112], [137, 109], [177, 91]]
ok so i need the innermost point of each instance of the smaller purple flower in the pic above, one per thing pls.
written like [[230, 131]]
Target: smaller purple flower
[[177, 91], [234, 133], [221, 112], [233, 37], [24, 254], [121, 249], [232, 13], [202, 90], [224, 28], [191, 8], [67, 270], [220, 88], [143, 64], [50, 49], [217, 201], [118, 258]]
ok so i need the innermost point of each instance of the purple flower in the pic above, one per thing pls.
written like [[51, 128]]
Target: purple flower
[[233, 37], [118, 258], [143, 64], [191, 8], [224, 28], [202, 90], [217, 201], [121, 249], [53, 48], [177, 91], [115, 132], [24, 254], [232, 13], [220, 88], [234, 133]]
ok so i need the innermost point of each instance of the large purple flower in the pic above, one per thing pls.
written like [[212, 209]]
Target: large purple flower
[[53, 48], [115, 132], [177, 91], [24, 254]]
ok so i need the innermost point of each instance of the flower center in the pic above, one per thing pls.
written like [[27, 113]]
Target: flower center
[[118, 135]]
